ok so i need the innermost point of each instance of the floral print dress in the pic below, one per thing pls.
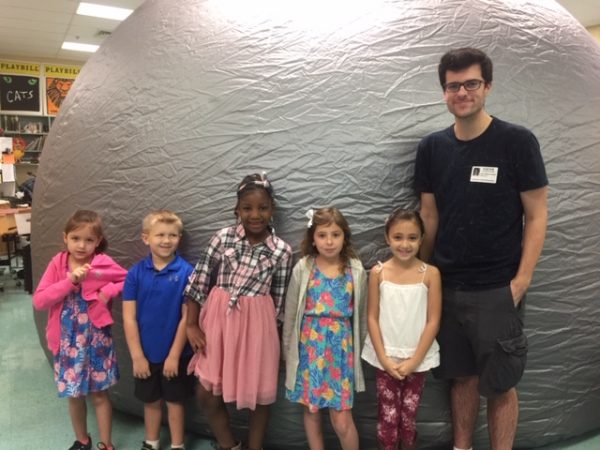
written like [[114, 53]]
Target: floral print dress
[[86, 361], [325, 376]]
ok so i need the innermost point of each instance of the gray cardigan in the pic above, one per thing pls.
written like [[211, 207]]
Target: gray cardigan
[[294, 311]]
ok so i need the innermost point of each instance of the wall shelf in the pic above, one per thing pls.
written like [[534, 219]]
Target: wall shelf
[[29, 132]]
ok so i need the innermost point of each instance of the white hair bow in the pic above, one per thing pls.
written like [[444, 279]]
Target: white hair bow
[[309, 214], [264, 182]]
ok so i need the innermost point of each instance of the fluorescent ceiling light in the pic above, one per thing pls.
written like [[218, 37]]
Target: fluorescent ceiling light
[[102, 11], [78, 47]]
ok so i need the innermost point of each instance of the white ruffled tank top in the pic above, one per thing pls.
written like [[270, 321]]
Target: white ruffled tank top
[[402, 318]]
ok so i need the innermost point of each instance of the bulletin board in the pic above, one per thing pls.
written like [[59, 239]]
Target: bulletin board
[[20, 93]]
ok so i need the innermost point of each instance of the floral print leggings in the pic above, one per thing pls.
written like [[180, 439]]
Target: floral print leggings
[[397, 404]]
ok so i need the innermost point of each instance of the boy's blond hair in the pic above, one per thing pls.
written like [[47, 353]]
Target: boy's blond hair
[[161, 216]]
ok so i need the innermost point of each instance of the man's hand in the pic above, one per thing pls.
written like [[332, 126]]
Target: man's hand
[[518, 287]]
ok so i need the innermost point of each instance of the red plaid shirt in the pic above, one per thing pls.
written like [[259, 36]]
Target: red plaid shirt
[[244, 270]]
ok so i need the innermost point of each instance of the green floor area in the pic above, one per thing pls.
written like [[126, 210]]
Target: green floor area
[[33, 417]]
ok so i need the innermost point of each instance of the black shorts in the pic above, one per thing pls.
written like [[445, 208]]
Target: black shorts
[[157, 386], [481, 334]]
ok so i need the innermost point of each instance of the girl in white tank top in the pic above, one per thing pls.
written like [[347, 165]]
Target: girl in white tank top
[[404, 311]]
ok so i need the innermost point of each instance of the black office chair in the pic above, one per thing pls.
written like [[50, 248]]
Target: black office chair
[[13, 250]]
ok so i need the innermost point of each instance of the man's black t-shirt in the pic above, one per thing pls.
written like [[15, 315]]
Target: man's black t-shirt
[[477, 186]]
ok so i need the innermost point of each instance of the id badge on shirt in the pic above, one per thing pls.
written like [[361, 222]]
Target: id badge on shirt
[[482, 174]]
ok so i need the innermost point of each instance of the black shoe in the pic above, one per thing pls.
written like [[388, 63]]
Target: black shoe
[[146, 446], [77, 445]]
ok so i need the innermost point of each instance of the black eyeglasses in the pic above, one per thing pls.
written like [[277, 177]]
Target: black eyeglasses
[[470, 85]]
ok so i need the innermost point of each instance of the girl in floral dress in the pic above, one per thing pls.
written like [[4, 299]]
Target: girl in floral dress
[[77, 288], [404, 310], [324, 325]]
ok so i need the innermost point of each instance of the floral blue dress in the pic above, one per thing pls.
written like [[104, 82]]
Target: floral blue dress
[[86, 361], [325, 376]]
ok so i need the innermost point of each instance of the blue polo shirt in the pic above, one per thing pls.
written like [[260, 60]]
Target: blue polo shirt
[[159, 297]]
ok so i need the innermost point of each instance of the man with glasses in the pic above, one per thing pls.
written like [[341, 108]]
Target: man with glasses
[[483, 191]]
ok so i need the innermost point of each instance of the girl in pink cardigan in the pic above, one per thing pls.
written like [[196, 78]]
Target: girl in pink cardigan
[[77, 289]]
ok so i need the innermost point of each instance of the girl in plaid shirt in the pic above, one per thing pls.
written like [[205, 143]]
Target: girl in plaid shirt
[[233, 328]]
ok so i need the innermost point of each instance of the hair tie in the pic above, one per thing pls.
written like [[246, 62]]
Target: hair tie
[[309, 214]]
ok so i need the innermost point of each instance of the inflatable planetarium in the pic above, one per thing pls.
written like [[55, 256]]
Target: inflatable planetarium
[[330, 98]]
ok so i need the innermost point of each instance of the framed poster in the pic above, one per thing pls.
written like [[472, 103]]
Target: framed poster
[[20, 93], [56, 91]]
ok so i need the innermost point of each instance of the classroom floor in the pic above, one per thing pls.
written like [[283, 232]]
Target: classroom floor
[[32, 416]]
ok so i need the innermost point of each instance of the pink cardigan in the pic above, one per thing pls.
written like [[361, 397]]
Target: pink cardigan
[[105, 276]]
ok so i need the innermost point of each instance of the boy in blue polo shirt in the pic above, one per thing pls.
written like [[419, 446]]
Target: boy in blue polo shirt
[[154, 317]]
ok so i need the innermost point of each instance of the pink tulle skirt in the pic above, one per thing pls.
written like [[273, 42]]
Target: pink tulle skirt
[[241, 359]]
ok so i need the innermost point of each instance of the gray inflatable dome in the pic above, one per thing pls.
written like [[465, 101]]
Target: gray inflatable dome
[[187, 97]]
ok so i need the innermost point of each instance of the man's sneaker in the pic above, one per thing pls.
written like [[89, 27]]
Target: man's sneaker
[[77, 445], [146, 446]]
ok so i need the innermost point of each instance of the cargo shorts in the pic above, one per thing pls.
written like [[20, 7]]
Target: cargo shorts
[[481, 334]]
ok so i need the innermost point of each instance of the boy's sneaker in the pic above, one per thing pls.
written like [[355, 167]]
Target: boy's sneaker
[[146, 446], [78, 445]]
